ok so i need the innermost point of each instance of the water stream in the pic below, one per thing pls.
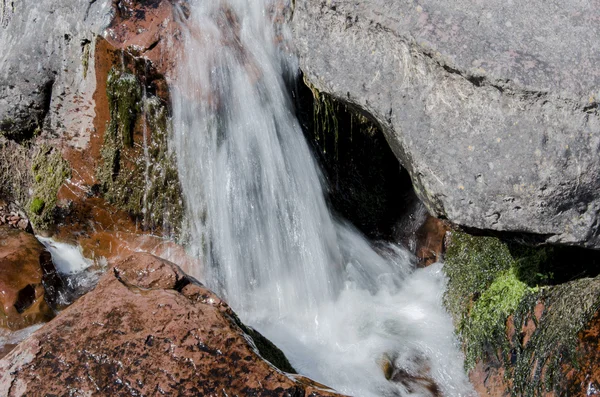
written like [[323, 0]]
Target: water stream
[[345, 311]]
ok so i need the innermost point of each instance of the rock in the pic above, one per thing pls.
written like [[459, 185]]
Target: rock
[[146, 329], [430, 241], [492, 109], [44, 58], [415, 376], [22, 292]]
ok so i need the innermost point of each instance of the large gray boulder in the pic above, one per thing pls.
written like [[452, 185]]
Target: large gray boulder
[[491, 105], [45, 55]]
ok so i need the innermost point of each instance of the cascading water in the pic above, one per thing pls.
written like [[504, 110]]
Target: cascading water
[[340, 309]]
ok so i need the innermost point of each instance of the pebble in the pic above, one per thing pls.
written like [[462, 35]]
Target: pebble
[[14, 220]]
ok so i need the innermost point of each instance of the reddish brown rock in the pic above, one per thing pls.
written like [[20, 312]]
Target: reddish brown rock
[[22, 300], [148, 29], [147, 329], [430, 241]]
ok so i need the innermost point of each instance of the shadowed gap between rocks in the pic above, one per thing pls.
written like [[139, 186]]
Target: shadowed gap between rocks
[[365, 182]]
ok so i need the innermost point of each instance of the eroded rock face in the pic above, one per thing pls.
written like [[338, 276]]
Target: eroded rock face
[[146, 329], [22, 260], [492, 109]]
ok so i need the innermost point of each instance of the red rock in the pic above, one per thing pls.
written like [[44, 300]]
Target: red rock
[[147, 329], [22, 300], [430, 241]]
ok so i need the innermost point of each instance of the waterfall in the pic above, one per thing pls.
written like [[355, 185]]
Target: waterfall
[[256, 214]]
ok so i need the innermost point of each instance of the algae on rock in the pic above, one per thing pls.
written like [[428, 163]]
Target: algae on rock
[[495, 286], [139, 177]]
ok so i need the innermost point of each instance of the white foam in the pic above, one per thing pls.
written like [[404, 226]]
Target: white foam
[[67, 258]]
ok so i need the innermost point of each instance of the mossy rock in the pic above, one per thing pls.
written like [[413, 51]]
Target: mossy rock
[[492, 282], [49, 171], [124, 95], [488, 278]]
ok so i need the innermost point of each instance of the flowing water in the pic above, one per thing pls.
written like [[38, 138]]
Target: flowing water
[[341, 308]]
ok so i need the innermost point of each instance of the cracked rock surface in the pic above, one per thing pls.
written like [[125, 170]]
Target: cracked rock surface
[[491, 106], [148, 329]]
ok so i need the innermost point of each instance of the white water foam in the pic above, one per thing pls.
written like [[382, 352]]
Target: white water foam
[[338, 306], [67, 258]]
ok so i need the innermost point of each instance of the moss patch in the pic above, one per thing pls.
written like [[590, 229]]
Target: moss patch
[[37, 206], [486, 323], [472, 264], [49, 171], [124, 96], [487, 281], [140, 177]]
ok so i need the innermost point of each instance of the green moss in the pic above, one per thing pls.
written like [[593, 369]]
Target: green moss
[[486, 323], [37, 206], [487, 280], [472, 264], [49, 171]]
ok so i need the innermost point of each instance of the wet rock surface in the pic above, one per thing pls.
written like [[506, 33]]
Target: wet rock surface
[[146, 329], [492, 109], [430, 241], [22, 294]]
